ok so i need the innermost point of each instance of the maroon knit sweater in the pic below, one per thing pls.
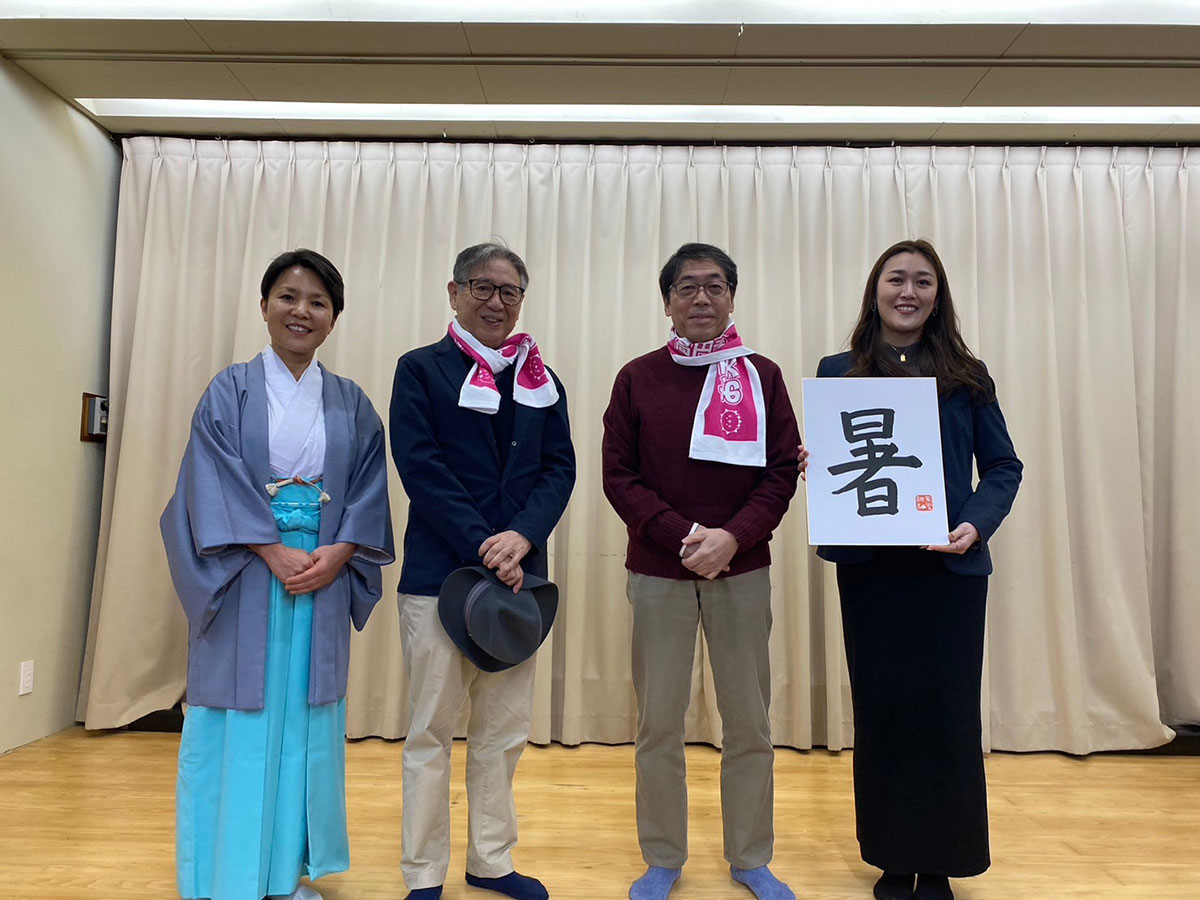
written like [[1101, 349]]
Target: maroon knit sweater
[[659, 492]]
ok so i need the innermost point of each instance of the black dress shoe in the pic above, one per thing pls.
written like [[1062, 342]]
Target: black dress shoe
[[894, 886], [933, 887]]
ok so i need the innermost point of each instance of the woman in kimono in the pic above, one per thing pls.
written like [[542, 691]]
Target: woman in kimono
[[275, 537], [913, 617]]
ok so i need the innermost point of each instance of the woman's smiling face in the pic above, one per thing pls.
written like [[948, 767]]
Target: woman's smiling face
[[906, 296], [299, 316]]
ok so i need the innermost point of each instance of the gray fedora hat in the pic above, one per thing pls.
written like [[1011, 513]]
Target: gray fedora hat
[[493, 627]]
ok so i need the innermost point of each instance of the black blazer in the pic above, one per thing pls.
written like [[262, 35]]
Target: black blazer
[[971, 432], [447, 459]]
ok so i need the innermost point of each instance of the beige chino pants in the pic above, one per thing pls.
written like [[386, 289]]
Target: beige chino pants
[[735, 613], [440, 679]]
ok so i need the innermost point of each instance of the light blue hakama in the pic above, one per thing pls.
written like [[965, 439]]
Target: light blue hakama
[[261, 794]]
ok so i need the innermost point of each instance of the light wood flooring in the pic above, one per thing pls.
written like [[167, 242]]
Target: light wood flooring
[[87, 815]]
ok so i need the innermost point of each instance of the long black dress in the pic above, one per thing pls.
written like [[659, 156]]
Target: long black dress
[[914, 644], [914, 632]]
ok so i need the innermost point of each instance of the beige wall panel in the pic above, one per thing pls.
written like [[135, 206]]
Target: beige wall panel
[[830, 85], [136, 78], [604, 84], [1047, 134], [867, 41], [203, 128], [364, 83], [1046, 86], [411, 131], [831, 134], [665, 41], [99, 34], [301, 129], [59, 199], [1184, 133], [334, 38], [625, 133]]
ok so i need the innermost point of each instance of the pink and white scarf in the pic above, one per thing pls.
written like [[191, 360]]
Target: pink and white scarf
[[532, 385], [730, 425]]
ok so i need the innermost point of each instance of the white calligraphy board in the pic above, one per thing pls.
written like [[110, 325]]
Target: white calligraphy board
[[876, 495]]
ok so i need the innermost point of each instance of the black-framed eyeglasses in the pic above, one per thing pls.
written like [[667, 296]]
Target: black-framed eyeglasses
[[690, 290], [483, 290]]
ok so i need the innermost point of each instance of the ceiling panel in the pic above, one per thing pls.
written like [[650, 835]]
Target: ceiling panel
[[360, 82], [1087, 87], [1108, 41], [853, 85], [665, 41], [335, 38], [651, 63], [98, 34], [603, 84], [880, 41], [72, 78]]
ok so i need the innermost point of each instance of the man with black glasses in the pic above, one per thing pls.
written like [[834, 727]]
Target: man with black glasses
[[699, 461], [480, 437]]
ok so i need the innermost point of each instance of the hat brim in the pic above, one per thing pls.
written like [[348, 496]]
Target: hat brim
[[453, 594]]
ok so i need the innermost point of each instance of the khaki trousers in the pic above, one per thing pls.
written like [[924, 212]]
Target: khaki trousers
[[440, 679], [735, 613]]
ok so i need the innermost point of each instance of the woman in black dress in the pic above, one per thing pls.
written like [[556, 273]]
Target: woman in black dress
[[913, 618]]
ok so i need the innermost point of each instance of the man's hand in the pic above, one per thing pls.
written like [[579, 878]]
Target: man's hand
[[714, 548], [327, 562], [284, 562], [962, 539], [802, 461], [514, 578], [504, 552]]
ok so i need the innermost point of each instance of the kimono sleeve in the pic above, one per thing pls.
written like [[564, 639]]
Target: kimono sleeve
[[216, 510], [366, 517]]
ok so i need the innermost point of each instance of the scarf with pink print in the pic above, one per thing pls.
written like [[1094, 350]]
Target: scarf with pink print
[[730, 425], [532, 385]]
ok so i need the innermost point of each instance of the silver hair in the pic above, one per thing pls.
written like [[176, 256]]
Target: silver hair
[[473, 257]]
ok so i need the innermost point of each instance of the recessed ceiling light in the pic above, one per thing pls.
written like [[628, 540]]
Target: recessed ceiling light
[[626, 113], [645, 12]]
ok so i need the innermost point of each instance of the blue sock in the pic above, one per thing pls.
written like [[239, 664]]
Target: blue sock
[[765, 885], [655, 884], [433, 893], [520, 887]]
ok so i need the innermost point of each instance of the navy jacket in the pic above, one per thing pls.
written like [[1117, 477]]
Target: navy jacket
[[971, 432], [449, 465]]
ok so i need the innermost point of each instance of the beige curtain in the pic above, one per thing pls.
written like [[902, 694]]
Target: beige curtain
[[1074, 270]]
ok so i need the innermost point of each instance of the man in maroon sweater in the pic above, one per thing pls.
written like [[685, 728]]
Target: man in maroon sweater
[[700, 463]]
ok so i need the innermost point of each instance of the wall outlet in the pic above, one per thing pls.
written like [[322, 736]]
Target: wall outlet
[[26, 678]]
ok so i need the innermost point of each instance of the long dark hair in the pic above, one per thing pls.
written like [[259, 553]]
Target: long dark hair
[[941, 351]]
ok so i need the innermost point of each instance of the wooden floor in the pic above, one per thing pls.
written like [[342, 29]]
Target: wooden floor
[[91, 816]]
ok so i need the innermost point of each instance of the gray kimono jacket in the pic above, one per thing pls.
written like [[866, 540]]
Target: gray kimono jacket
[[220, 505]]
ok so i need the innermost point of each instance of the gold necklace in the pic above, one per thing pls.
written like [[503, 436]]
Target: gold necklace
[[903, 356]]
